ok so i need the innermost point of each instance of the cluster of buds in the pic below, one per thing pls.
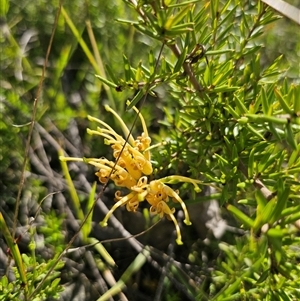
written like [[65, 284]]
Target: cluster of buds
[[131, 168]]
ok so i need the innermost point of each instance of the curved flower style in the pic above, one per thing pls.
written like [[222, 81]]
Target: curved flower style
[[131, 167]]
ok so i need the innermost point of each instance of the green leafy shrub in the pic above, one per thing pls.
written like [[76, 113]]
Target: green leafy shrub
[[224, 111]]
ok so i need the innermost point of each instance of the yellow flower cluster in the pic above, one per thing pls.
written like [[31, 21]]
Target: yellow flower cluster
[[131, 171]]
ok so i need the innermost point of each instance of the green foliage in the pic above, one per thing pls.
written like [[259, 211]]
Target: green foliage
[[219, 93], [250, 270], [31, 269], [241, 121], [13, 290]]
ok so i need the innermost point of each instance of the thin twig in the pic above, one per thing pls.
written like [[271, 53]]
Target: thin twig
[[188, 70], [35, 103], [99, 195]]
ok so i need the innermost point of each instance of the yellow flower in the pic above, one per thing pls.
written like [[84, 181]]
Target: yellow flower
[[130, 170], [134, 157], [158, 196], [120, 175]]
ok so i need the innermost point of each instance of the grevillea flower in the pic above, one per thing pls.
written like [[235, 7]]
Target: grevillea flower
[[131, 169]]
